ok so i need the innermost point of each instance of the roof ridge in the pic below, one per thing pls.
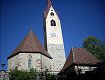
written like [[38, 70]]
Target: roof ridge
[[22, 43], [91, 54], [73, 55]]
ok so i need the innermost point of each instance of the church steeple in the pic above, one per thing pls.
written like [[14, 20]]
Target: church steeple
[[53, 38], [30, 44]]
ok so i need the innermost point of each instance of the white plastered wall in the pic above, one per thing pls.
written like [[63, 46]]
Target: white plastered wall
[[13, 62], [55, 45], [21, 61], [53, 29]]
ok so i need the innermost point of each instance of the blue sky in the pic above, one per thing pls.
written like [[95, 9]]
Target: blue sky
[[79, 19]]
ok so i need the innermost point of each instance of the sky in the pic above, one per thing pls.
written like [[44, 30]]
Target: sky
[[79, 19]]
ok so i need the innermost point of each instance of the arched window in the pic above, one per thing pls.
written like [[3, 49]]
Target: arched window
[[29, 61], [29, 64], [53, 23], [52, 14]]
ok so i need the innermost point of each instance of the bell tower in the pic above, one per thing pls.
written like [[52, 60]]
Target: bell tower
[[53, 39]]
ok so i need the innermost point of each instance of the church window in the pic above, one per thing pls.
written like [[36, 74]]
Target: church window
[[52, 14], [29, 63], [53, 23]]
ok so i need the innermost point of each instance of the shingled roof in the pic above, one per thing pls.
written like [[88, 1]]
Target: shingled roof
[[80, 56], [30, 44]]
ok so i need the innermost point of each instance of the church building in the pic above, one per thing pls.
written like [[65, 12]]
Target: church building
[[31, 54]]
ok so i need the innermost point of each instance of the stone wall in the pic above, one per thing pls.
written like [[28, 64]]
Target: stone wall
[[58, 54]]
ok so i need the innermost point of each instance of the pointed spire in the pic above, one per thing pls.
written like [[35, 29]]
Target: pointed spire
[[47, 9], [73, 55], [30, 44], [49, 3]]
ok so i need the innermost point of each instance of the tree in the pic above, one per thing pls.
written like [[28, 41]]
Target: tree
[[95, 46]]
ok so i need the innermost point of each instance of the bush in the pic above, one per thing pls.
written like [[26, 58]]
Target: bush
[[22, 75], [49, 76]]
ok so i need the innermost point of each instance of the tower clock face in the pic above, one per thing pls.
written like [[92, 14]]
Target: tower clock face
[[53, 35]]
